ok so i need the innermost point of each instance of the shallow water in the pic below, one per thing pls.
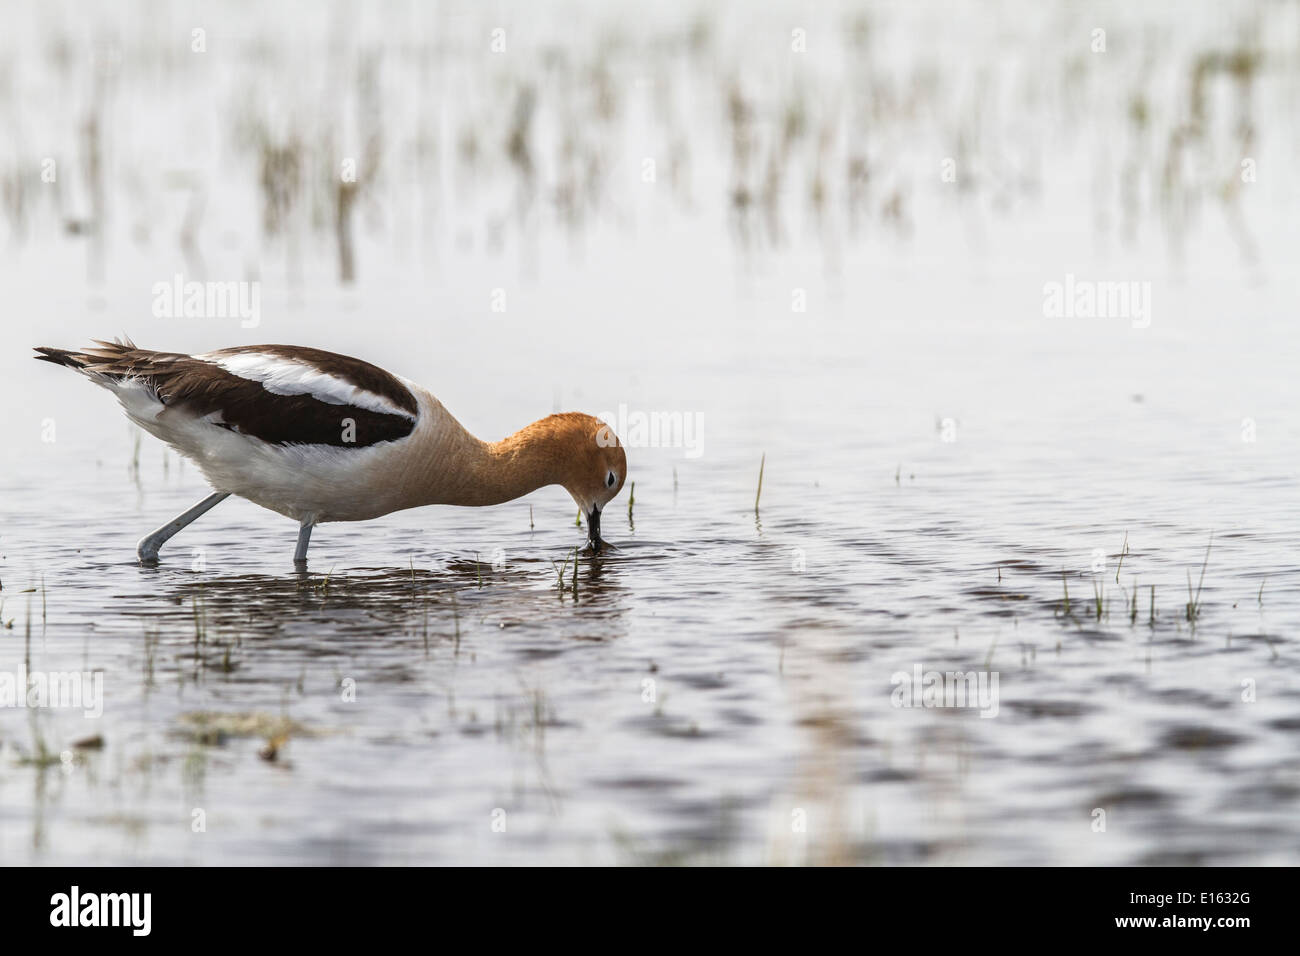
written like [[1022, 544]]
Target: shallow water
[[480, 688], [942, 463]]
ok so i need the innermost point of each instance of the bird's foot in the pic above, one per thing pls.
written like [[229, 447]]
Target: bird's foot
[[146, 551]]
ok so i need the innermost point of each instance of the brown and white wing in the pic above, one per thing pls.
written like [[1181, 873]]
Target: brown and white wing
[[278, 394]]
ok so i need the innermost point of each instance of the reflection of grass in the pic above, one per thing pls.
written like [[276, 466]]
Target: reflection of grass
[[455, 612], [150, 649], [526, 727], [40, 755], [1194, 600], [716, 847], [194, 768], [200, 617]]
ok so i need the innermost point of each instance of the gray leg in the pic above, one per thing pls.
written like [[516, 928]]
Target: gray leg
[[304, 536], [147, 549]]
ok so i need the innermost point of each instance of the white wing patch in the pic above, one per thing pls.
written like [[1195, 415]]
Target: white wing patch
[[135, 397], [282, 376]]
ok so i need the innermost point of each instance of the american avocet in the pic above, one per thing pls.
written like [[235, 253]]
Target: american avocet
[[321, 437]]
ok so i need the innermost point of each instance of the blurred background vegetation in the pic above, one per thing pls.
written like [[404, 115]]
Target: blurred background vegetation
[[250, 138]]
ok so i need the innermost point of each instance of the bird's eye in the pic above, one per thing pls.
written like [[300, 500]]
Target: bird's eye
[[609, 480]]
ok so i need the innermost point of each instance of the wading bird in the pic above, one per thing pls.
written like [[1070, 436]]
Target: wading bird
[[321, 437]]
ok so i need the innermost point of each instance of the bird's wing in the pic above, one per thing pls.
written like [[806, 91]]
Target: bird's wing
[[280, 394]]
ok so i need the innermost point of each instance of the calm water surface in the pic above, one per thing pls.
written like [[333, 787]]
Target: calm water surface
[[720, 675]]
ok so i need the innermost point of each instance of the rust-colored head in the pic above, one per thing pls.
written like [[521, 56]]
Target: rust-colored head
[[577, 451], [597, 468], [594, 466]]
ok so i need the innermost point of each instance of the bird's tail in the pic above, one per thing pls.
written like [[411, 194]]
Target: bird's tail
[[104, 358], [60, 357]]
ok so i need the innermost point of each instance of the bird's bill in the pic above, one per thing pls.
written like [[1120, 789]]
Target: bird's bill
[[593, 530]]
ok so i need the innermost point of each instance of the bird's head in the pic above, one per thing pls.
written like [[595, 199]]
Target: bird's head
[[594, 469]]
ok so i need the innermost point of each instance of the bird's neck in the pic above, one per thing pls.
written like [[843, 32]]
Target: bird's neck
[[474, 472]]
